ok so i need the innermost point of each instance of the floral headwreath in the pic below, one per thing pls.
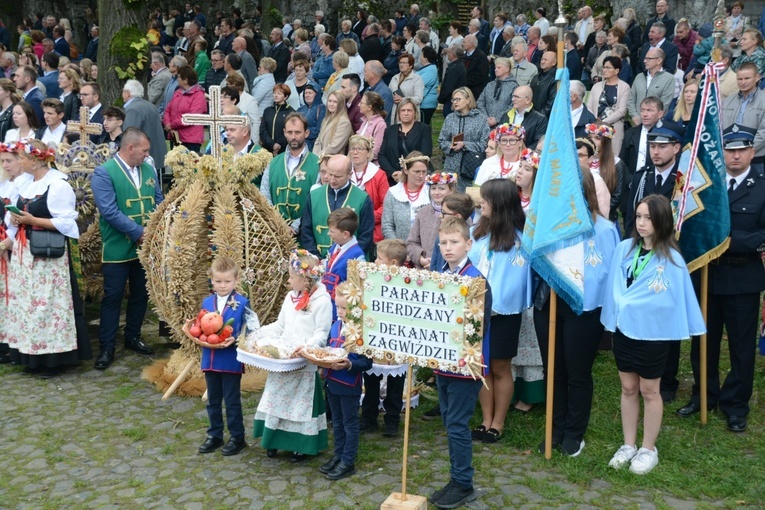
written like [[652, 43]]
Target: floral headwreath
[[602, 130], [530, 156], [405, 163], [508, 130], [9, 147], [302, 268], [48, 155], [441, 178], [361, 138]]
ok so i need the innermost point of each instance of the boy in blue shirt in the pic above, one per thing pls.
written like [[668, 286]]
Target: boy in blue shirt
[[342, 223], [343, 392], [223, 373], [457, 393]]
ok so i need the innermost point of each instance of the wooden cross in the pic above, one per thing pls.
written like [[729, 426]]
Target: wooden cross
[[84, 126], [215, 119]]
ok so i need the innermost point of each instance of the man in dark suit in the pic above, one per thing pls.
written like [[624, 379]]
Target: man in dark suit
[[25, 78], [227, 38], [60, 45], [580, 115], [634, 151], [142, 114], [544, 84], [281, 54], [573, 59], [522, 112], [90, 95], [658, 177], [91, 51], [49, 65], [371, 48], [455, 77], [736, 281], [657, 38], [476, 65], [485, 28], [662, 16]]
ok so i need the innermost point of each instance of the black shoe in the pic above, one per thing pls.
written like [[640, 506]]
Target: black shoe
[[138, 345], [455, 496], [341, 471], [390, 430], [366, 426], [271, 453], [492, 436], [329, 465], [104, 359], [433, 414], [736, 423], [692, 408], [298, 457], [667, 396], [440, 492], [477, 433], [233, 446], [211, 444]]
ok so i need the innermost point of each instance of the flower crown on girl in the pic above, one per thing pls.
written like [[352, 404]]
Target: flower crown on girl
[[48, 155], [602, 130], [531, 157], [405, 163], [441, 178], [508, 130], [302, 268], [9, 147]]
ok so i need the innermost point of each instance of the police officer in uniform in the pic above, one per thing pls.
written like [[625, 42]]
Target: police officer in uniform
[[658, 177], [736, 280]]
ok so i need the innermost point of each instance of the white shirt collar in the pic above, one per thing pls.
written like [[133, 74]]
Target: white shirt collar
[[457, 269], [739, 179]]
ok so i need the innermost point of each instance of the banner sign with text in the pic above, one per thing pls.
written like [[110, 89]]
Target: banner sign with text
[[402, 315]]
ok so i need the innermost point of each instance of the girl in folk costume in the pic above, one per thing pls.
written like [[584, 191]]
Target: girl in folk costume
[[504, 163], [422, 236], [11, 176], [406, 198], [528, 368], [607, 165], [49, 332], [496, 252], [368, 177], [648, 277], [577, 336], [291, 413]]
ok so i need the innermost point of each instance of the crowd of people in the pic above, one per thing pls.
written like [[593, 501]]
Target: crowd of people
[[348, 119]]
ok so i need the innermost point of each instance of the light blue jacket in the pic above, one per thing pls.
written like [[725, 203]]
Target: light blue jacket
[[429, 75], [659, 305], [508, 274], [263, 91], [598, 251]]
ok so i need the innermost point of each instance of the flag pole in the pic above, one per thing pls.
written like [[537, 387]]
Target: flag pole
[[718, 33], [560, 22]]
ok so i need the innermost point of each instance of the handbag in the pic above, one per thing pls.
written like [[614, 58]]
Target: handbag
[[47, 244], [470, 163]]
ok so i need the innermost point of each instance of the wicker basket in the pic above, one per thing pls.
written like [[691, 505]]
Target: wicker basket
[[323, 357]]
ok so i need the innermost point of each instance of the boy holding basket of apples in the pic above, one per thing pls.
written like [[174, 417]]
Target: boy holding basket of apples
[[216, 333]]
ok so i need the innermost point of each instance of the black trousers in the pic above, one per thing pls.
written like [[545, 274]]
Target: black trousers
[[370, 407], [739, 315], [224, 387], [576, 344], [669, 382]]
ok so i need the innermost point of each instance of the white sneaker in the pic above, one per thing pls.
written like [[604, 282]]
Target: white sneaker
[[644, 461], [623, 456]]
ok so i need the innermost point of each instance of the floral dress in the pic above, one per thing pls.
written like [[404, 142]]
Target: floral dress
[[291, 414], [49, 328]]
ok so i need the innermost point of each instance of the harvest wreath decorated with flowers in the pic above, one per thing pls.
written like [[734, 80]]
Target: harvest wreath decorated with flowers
[[403, 315]]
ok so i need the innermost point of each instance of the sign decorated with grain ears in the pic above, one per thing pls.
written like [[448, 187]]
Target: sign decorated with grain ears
[[402, 315]]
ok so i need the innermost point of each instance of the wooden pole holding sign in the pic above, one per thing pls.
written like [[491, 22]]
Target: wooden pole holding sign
[[400, 500], [703, 343], [560, 22]]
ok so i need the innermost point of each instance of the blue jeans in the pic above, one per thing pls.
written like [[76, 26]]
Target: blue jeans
[[224, 387], [116, 276], [457, 398], [345, 425]]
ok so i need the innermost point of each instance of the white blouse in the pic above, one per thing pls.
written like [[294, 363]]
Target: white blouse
[[61, 200]]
